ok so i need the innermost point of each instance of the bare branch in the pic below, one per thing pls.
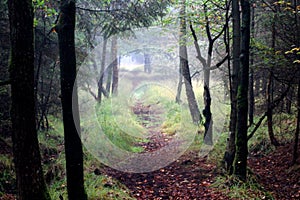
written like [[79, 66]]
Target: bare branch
[[199, 55]]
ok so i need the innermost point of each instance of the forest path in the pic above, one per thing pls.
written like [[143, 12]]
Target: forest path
[[189, 177]]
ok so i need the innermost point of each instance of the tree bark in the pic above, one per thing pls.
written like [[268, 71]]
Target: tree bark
[[115, 67], [27, 158], [230, 147], [208, 124], [270, 111], [296, 134], [184, 65], [102, 67], [69, 99], [240, 164]]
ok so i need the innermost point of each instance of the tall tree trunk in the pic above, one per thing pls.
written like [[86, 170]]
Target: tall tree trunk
[[184, 65], [296, 136], [270, 90], [230, 148], [115, 67], [27, 158], [69, 100], [102, 67], [251, 76], [240, 164]]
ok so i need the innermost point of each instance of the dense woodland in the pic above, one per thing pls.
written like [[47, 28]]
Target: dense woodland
[[144, 99]]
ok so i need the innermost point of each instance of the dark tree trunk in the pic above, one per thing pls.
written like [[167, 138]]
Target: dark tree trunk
[[270, 111], [230, 148], [240, 164], [296, 135], [27, 158], [69, 99], [269, 92], [208, 124], [184, 65], [251, 75], [115, 67], [102, 67]]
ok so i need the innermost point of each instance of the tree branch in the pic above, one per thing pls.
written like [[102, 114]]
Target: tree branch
[[199, 55], [219, 63], [274, 104]]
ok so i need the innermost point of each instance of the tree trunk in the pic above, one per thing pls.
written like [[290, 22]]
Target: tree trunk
[[296, 135], [240, 164], [251, 75], [109, 70], [179, 87], [193, 106], [230, 148], [27, 158], [102, 67], [208, 124], [69, 100], [115, 67], [251, 96], [270, 111]]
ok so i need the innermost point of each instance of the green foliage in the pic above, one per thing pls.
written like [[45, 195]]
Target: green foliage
[[237, 189], [51, 144], [7, 175]]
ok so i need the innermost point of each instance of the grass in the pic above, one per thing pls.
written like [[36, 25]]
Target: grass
[[97, 186], [237, 189]]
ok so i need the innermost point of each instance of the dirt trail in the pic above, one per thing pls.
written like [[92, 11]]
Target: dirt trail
[[189, 177]]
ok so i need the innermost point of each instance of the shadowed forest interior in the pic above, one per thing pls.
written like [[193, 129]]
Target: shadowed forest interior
[[146, 99]]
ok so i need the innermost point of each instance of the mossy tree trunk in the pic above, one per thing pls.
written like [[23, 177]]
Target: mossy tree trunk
[[240, 163], [27, 158], [69, 99]]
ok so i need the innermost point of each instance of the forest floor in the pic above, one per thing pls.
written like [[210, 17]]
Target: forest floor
[[191, 176], [187, 178]]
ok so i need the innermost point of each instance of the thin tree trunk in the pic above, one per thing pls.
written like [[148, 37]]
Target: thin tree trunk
[[193, 106], [251, 75], [100, 80], [179, 87], [27, 158], [230, 147], [270, 91], [240, 164], [296, 135], [109, 70], [270, 111], [69, 99], [115, 67]]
